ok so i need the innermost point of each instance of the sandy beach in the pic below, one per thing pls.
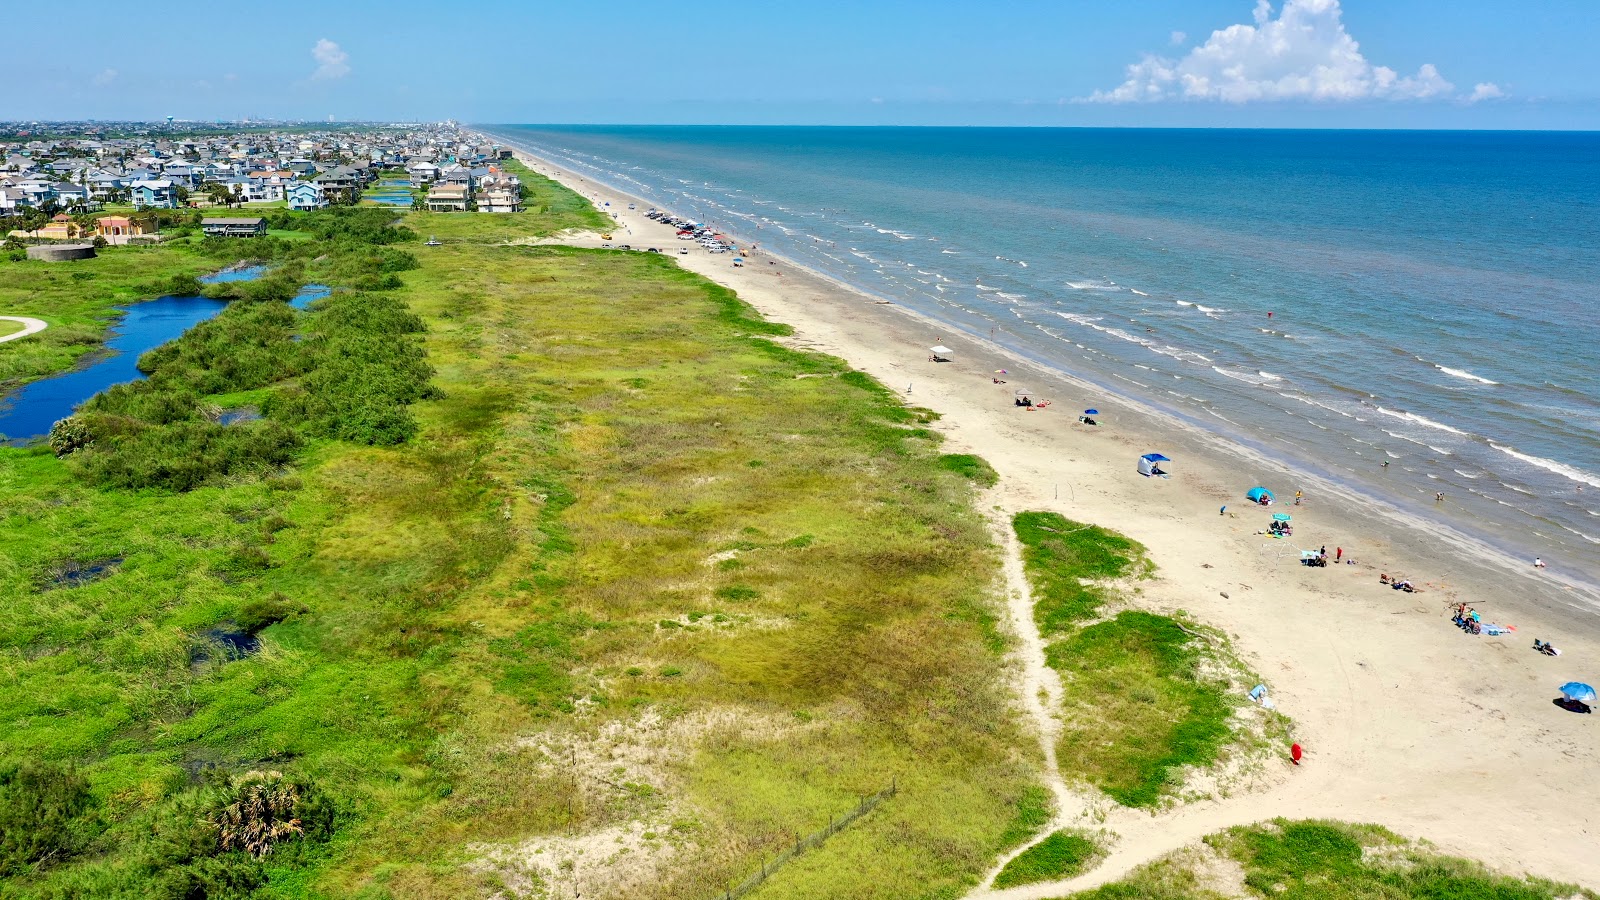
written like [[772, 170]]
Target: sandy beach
[[1406, 721]]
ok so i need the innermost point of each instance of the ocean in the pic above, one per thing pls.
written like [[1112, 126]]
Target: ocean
[[1337, 299]]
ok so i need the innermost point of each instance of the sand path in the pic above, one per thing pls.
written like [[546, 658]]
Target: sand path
[[1406, 722], [29, 326]]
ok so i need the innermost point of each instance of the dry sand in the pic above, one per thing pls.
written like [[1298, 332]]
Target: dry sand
[[1406, 721]]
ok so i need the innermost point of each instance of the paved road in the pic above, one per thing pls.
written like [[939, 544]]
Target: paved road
[[29, 326]]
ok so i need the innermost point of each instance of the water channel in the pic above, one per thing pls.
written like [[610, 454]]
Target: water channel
[[27, 413]]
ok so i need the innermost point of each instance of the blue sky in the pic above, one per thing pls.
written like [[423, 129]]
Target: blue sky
[[1290, 63]]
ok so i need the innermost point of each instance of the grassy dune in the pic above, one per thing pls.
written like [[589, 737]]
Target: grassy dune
[[1318, 860], [636, 605], [1142, 695]]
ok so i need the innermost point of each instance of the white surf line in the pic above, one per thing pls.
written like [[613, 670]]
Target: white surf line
[[1040, 688], [29, 326]]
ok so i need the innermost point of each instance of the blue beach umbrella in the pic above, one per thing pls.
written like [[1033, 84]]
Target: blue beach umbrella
[[1091, 412], [1578, 692], [1282, 517]]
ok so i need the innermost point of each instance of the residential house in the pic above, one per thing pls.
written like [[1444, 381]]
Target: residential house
[[156, 194], [304, 195], [341, 182], [252, 226], [499, 192], [422, 173], [448, 198], [116, 229]]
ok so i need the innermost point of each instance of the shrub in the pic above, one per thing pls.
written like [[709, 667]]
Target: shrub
[[258, 811], [45, 814], [181, 456], [184, 286], [68, 435]]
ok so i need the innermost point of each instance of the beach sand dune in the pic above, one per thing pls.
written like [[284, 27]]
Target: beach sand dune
[[1407, 722]]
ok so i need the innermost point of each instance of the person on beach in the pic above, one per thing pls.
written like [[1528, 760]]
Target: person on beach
[[1538, 563], [1223, 511], [1296, 498], [1385, 464], [1338, 554], [1439, 497]]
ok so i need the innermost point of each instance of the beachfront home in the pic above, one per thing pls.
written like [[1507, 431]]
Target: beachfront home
[[157, 194], [253, 226], [304, 195], [499, 192], [448, 198]]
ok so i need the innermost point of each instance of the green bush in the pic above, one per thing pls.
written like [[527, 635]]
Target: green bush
[[45, 814], [363, 369], [181, 456]]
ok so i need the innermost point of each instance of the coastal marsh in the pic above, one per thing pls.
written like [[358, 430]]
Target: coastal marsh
[[622, 513]]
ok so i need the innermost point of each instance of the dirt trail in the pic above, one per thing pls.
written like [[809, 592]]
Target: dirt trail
[[1039, 686]]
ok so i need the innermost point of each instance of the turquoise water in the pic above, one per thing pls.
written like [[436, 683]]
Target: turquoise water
[[1432, 295]]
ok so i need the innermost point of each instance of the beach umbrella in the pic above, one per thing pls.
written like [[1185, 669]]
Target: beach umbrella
[[1000, 372], [1578, 692], [1091, 412], [1281, 517], [940, 350], [1256, 493], [738, 259]]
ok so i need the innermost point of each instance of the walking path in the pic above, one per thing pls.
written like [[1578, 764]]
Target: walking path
[[29, 326]]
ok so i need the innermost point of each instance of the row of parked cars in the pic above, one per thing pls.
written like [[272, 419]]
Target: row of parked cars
[[695, 231]]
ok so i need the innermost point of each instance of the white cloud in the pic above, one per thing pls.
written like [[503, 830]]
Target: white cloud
[[1178, 37], [1302, 54], [1486, 90], [105, 77], [332, 61]]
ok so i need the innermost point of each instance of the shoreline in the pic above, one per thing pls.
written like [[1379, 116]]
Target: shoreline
[[1406, 721]]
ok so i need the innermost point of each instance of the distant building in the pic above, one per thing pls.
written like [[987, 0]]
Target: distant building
[[448, 198], [157, 194], [304, 195], [59, 228], [113, 227], [499, 192], [253, 226]]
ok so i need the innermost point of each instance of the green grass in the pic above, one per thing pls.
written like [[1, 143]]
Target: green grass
[[1137, 707], [1061, 855], [1322, 860], [1064, 559], [606, 424], [975, 469]]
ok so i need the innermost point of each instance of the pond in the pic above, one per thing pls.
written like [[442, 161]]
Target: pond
[[27, 413], [390, 193]]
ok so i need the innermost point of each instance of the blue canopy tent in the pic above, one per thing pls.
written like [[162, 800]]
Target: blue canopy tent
[[1255, 494], [1150, 464]]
